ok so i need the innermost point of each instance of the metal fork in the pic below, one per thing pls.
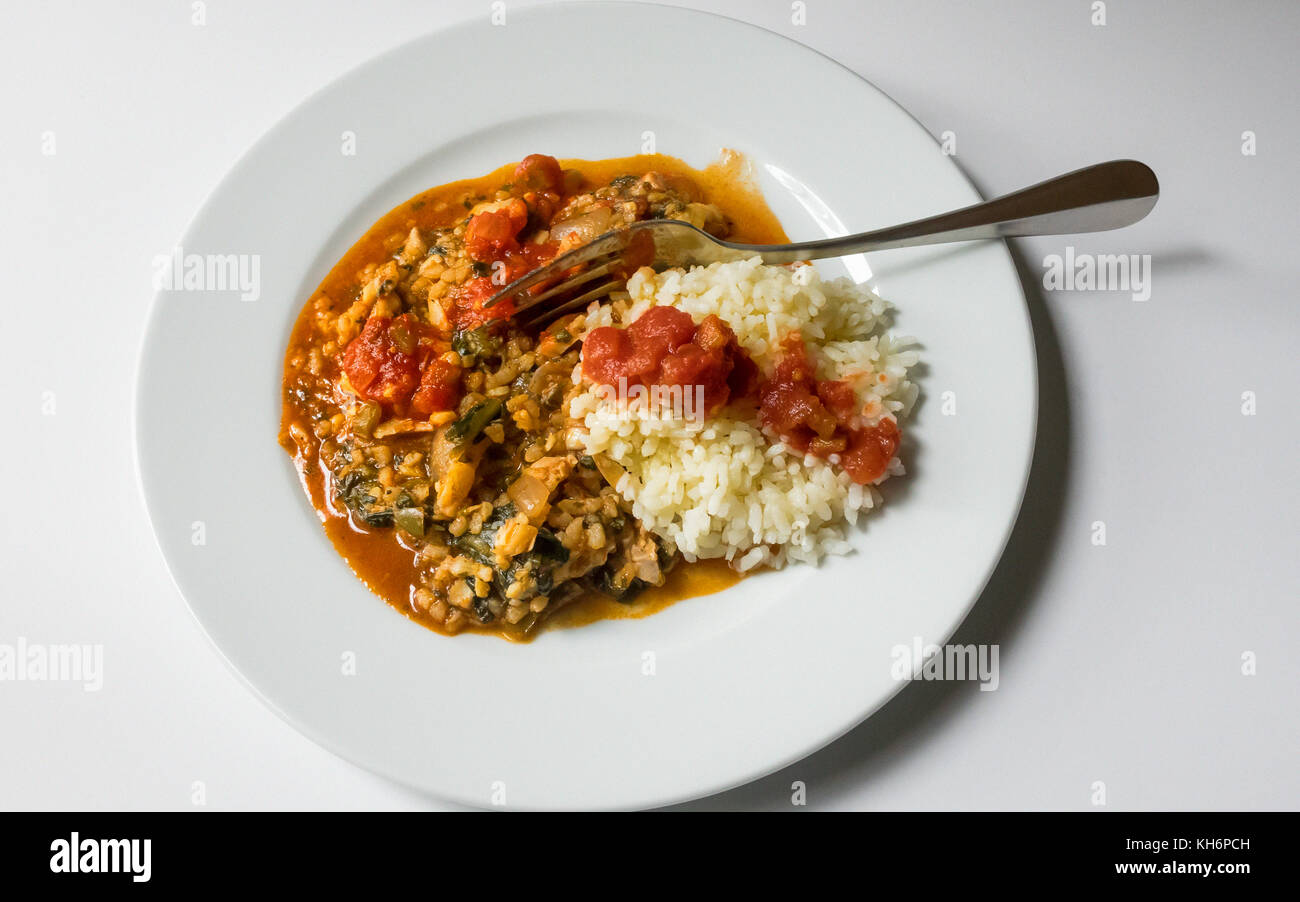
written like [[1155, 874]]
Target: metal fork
[[1095, 199]]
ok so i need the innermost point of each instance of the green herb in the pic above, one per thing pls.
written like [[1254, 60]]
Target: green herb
[[624, 593], [548, 546], [475, 345], [547, 553], [353, 489], [468, 427], [376, 517]]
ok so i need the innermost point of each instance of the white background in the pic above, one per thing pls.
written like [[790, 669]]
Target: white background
[[1119, 663]]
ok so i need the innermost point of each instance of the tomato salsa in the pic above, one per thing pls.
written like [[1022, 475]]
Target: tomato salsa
[[664, 346], [403, 366], [821, 417]]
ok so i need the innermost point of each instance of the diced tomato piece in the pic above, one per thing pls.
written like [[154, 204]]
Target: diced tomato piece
[[468, 311], [665, 347], [526, 258], [543, 205], [870, 450], [492, 233], [663, 326], [378, 369], [839, 398], [818, 416], [714, 361], [603, 353], [713, 334], [689, 365], [788, 402], [439, 387], [786, 409], [539, 172], [744, 376]]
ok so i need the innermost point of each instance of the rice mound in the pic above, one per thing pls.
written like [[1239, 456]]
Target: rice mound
[[721, 486]]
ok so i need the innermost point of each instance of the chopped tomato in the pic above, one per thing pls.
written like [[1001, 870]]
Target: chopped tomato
[[543, 205], [492, 233], [397, 364], [439, 387], [744, 377], [691, 365], [523, 260], [663, 327], [634, 353], [870, 451], [839, 398], [604, 351], [820, 417], [788, 402], [468, 311], [377, 368], [665, 347], [538, 172]]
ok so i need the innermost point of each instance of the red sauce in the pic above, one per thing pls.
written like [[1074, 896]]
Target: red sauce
[[820, 417], [664, 346]]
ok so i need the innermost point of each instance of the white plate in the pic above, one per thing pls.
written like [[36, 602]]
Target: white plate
[[744, 682]]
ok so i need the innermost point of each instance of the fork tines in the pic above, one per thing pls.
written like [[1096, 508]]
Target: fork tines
[[607, 261], [538, 315]]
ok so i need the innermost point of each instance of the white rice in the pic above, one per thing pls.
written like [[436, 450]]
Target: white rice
[[721, 487]]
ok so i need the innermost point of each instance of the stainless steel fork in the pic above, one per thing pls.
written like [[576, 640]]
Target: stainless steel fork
[[1096, 199]]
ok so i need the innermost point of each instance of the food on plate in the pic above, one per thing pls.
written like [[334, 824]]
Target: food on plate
[[688, 429], [774, 475]]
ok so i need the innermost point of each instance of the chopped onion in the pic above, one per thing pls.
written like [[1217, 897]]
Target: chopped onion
[[610, 470], [529, 494], [583, 228]]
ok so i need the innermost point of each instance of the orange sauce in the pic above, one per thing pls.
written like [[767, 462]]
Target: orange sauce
[[376, 556], [686, 580]]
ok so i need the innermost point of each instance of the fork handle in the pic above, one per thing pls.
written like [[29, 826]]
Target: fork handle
[[1095, 199]]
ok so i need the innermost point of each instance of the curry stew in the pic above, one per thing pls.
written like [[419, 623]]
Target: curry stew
[[432, 435]]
